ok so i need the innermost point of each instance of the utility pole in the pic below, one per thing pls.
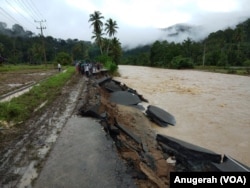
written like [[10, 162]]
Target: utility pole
[[204, 55], [41, 29]]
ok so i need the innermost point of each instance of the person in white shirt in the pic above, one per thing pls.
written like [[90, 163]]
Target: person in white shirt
[[59, 67]]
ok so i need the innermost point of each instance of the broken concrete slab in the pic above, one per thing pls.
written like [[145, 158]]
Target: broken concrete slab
[[160, 116], [190, 150], [92, 111], [190, 157], [129, 133], [112, 86], [136, 93], [103, 80], [124, 98], [231, 165]]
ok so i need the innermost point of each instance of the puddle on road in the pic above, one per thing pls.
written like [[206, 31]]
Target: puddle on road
[[28, 176], [42, 152]]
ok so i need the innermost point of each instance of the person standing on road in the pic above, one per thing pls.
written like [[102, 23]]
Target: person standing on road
[[59, 67], [87, 70]]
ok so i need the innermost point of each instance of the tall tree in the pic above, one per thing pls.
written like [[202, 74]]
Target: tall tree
[[96, 22], [116, 50], [111, 29]]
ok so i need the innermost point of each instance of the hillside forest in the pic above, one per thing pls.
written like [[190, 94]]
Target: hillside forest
[[223, 48]]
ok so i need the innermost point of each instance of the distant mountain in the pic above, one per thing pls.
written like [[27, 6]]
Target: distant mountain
[[177, 29], [180, 32]]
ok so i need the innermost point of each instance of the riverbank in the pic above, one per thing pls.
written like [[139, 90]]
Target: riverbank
[[211, 109]]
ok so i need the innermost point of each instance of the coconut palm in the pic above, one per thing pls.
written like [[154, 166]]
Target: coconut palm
[[96, 22], [98, 39], [116, 50], [110, 28]]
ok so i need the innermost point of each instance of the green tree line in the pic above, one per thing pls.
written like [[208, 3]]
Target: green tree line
[[224, 48], [20, 46]]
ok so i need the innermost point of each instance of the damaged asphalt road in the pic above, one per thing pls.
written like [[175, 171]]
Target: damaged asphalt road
[[86, 140]]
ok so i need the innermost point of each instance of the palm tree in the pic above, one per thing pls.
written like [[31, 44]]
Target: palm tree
[[110, 28], [96, 22], [116, 50], [98, 39]]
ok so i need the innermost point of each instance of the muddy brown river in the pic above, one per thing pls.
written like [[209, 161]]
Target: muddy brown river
[[212, 110]]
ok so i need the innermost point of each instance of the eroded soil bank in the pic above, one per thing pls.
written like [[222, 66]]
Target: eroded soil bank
[[211, 109]]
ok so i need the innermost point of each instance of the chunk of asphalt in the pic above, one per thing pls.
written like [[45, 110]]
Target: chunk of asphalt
[[189, 151], [124, 98], [101, 81], [92, 111], [111, 86], [231, 165], [160, 116]]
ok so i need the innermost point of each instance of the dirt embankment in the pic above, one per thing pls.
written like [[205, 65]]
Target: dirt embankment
[[132, 133]]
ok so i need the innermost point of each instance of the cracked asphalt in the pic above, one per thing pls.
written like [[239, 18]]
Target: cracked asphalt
[[84, 156]]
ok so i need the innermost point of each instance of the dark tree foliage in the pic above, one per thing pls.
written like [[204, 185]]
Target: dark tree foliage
[[225, 48], [20, 46]]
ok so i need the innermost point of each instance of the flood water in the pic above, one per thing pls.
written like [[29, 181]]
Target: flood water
[[212, 110]]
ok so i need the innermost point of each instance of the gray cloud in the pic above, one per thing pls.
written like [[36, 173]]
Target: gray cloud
[[66, 21]]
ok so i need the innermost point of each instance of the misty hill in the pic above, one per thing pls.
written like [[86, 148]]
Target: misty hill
[[177, 29], [228, 47], [180, 32]]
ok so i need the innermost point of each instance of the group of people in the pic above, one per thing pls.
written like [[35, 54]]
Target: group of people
[[84, 68], [87, 69]]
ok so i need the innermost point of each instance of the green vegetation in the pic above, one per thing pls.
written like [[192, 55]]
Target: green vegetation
[[108, 63], [22, 107], [63, 58], [24, 67], [110, 48], [180, 62], [227, 50]]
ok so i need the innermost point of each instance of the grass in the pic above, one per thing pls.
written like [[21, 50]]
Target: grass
[[225, 70], [21, 108], [24, 67]]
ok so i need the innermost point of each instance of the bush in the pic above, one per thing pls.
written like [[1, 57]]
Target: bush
[[180, 62], [63, 58], [111, 66], [103, 59], [108, 63], [247, 65]]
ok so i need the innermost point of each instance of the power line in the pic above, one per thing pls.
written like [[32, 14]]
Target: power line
[[11, 17], [35, 8], [31, 7], [27, 9], [20, 13]]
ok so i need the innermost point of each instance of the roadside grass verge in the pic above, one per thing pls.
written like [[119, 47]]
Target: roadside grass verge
[[21, 108]]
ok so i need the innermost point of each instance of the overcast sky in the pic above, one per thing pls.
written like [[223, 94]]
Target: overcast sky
[[138, 20]]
